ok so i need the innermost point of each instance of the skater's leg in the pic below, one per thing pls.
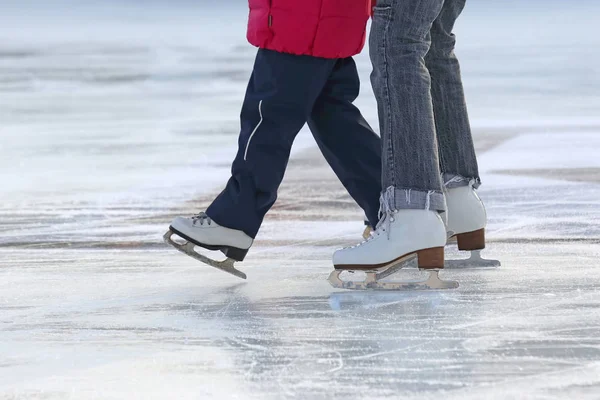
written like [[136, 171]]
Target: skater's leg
[[466, 216], [279, 99], [399, 42], [458, 161], [413, 196], [346, 140]]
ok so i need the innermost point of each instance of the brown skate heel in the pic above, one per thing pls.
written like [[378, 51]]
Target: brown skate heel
[[471, 241], [431, 258]]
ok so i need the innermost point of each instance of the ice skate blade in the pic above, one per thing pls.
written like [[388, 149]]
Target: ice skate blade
[[433, 282], [475, 261], [188, 249], [407, 262]]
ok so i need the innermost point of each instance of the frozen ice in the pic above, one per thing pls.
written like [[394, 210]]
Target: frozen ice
[[117, 116]]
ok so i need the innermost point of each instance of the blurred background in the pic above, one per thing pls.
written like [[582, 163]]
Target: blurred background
[[137, 102]]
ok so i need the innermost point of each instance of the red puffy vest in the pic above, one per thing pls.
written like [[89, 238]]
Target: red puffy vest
[[319, 28]]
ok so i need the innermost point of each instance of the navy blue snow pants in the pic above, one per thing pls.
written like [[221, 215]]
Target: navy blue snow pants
[[285, 92]]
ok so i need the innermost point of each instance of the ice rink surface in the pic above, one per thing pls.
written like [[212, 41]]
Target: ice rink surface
[[115, 117]]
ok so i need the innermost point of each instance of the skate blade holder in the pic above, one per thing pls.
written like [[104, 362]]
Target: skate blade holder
[[373, 279], [189, 249], [433, 282], [474, 261]]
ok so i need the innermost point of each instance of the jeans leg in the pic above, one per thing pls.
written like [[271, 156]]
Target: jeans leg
[[346, 140], [280, 97], [399, 42], [458, 162]]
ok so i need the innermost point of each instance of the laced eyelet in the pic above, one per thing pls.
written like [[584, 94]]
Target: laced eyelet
[[201, 218]]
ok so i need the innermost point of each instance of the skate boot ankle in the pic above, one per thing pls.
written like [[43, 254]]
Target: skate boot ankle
[[400, 236], [204, 232], [466, 222]]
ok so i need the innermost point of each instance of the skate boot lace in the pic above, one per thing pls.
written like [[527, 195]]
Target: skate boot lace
[[384, 225], [201, 219]]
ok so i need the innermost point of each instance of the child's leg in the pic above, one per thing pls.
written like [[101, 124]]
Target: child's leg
[[280, 96], [347, 141]]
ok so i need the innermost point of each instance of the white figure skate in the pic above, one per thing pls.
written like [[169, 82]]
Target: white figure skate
[[201, 231], [400, 236], [466, 227]]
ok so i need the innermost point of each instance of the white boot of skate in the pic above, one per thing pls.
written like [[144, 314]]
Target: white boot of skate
[[466, 221], [400, 236], [201, 231]]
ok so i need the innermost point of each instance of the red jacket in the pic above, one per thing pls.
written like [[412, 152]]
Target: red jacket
[[319, 28]]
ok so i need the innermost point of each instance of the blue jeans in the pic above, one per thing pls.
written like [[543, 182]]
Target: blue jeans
[[284, 93], [425, 130]]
